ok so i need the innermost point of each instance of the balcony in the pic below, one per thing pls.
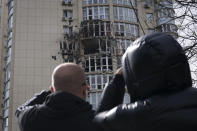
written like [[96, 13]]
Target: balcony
[[168, 28], [69, 19], [95, 29], [67, 2]]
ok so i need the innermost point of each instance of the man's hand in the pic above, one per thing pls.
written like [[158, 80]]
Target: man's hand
[[119, 71], [113, 93]]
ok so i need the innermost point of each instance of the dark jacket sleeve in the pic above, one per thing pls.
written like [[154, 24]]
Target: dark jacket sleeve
[[24, 112], [125, 117], [113, 115], [36, 100], [113, 94]]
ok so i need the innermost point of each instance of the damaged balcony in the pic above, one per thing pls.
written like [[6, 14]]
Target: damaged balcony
[[96, 37], [98, 63], [70, 47], [95, 29]]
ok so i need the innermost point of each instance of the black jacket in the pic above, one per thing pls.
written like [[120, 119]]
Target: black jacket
[[176, 111], [157, 77], [60, 112]]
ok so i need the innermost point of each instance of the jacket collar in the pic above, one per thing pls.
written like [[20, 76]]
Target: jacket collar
[[63, 100]]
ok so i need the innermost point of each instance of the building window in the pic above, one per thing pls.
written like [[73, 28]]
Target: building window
[[98, 63], [119, 61], [165, 13], [96, 28], [123, 45], [92, 2], [165, 16], [96, 12], [127, 30], [167, 28], [94, 99], [67, 1], [67, 29], [67, 14], [149, 16], [98, 81], [125, 2], [126, 14], [148, 3]]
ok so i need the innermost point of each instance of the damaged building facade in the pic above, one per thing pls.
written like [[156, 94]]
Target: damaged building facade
[[37, 35], [107, 28]]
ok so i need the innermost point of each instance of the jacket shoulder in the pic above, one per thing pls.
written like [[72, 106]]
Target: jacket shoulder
[[27, 116], [125, 116]]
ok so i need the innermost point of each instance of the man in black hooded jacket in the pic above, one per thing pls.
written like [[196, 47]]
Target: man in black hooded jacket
[[65, 109], [157, 76]]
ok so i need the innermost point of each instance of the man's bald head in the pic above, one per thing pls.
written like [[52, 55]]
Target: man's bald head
[[68, 77]]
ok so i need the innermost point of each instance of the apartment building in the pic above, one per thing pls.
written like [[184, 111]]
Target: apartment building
[[37, 35]]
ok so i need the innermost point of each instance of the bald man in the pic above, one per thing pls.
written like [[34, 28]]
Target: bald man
[[63, 107]]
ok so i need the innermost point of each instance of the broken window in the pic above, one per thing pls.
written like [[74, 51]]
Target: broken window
[[67, 29], [85, 31], [121, 30], [92, 64], [103, 46], [108, 29], [97, 63], [102, 29], [97, 28], [90, 13], [91, 29], [119, 63], [110, 64], [84, 14], [123, 45], [99, 81], [86, 65]]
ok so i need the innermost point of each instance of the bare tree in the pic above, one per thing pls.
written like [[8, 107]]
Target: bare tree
[[183, 13], [186, 18]]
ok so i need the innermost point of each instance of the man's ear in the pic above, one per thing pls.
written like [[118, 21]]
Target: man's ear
[[84, 90], [52, 89]]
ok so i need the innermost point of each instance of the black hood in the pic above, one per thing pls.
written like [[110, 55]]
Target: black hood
[[155, 64]]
